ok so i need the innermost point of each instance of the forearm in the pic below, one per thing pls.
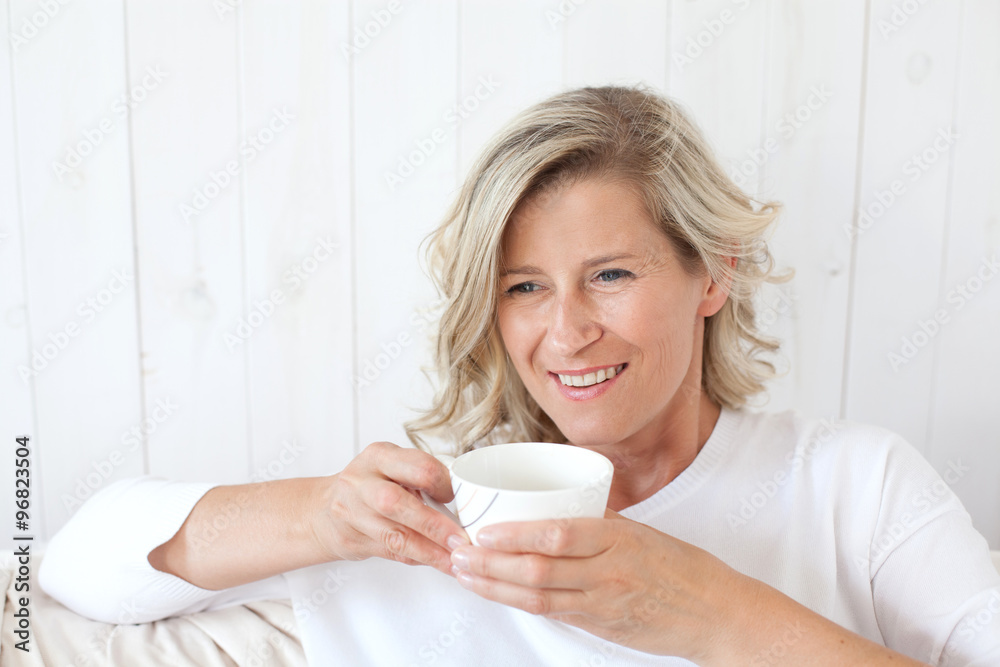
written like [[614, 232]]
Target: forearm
[[243, 533], [769, 628]]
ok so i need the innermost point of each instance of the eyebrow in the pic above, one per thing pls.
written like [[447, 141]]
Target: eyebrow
[[596, 261]]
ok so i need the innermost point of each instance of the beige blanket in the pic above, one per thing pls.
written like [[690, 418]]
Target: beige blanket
[[251, 635]]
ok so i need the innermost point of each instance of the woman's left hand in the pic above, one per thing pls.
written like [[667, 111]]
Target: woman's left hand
[[617, 579]]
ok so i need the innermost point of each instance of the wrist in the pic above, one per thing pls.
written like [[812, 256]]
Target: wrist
[[736, 622], [318, 522]]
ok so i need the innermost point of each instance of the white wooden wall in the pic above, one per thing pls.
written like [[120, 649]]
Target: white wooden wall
[[311, 223]]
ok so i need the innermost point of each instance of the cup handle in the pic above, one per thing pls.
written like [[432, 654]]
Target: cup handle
[[440, 507], [435, 505]]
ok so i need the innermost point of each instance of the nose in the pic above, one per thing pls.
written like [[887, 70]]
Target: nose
[[573, 325]]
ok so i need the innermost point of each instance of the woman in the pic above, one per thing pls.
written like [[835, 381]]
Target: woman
[[599, 269]]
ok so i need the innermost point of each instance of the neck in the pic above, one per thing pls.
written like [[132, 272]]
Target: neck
[[653, 457]]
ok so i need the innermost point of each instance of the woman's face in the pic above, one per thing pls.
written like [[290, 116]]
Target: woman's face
[[592, 294]]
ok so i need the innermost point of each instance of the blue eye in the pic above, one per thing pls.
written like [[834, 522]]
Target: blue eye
[[523, 288], [612, 275]]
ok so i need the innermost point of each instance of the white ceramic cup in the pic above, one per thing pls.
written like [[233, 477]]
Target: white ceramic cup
[[525, 481]]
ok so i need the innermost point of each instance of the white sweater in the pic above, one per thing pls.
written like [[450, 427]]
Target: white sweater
[[848, 520]]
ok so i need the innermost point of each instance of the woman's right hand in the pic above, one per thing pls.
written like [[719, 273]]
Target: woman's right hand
[[373, 508]]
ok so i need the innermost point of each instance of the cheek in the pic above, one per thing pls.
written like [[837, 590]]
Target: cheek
[[515, 332], [664, 338]]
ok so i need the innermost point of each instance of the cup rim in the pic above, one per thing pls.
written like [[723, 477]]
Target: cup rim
[[602, 478]]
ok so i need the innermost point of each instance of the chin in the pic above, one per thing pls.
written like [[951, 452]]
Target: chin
[[582, 436]]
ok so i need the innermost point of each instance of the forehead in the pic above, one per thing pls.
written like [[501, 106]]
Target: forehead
[[587, 215]]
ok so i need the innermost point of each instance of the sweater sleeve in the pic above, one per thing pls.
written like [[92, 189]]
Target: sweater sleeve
[[97, 564], [935, 589]]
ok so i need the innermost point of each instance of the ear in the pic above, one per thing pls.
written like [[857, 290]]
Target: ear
[[716, 293]]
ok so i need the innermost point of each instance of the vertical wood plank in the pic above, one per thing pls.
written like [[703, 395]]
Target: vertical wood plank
[[622, 42], [405, 170], [963, 423], [807, 160], [717, 57], [523, 76], [74, 177], [722, 57], [189, 141], [297, 213], [17, 414], [897, 266]]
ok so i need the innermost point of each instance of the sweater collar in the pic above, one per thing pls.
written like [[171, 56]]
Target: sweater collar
[[714, 453]]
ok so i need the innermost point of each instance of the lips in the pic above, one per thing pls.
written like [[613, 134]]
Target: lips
[[585, 392]]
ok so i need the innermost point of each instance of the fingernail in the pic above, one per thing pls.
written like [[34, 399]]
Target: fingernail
[[485, 539], [460, 559], [464, 578], [456, 541]]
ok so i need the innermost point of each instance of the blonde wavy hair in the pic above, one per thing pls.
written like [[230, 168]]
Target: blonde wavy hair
[[629, 134]]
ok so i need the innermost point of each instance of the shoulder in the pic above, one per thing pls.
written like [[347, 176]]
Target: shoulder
[[830, 443], [866, 472]]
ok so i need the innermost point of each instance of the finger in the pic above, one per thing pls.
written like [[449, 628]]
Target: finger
[[410, 561], [400, 543], [543, 602], [413, 468], [394, 502], [357, 542], [553, 537], [530, 570]]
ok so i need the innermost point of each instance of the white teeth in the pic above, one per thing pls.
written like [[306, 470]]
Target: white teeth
[[591, 378]]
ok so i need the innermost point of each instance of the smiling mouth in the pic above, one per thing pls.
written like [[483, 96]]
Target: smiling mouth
[[590, 379]]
